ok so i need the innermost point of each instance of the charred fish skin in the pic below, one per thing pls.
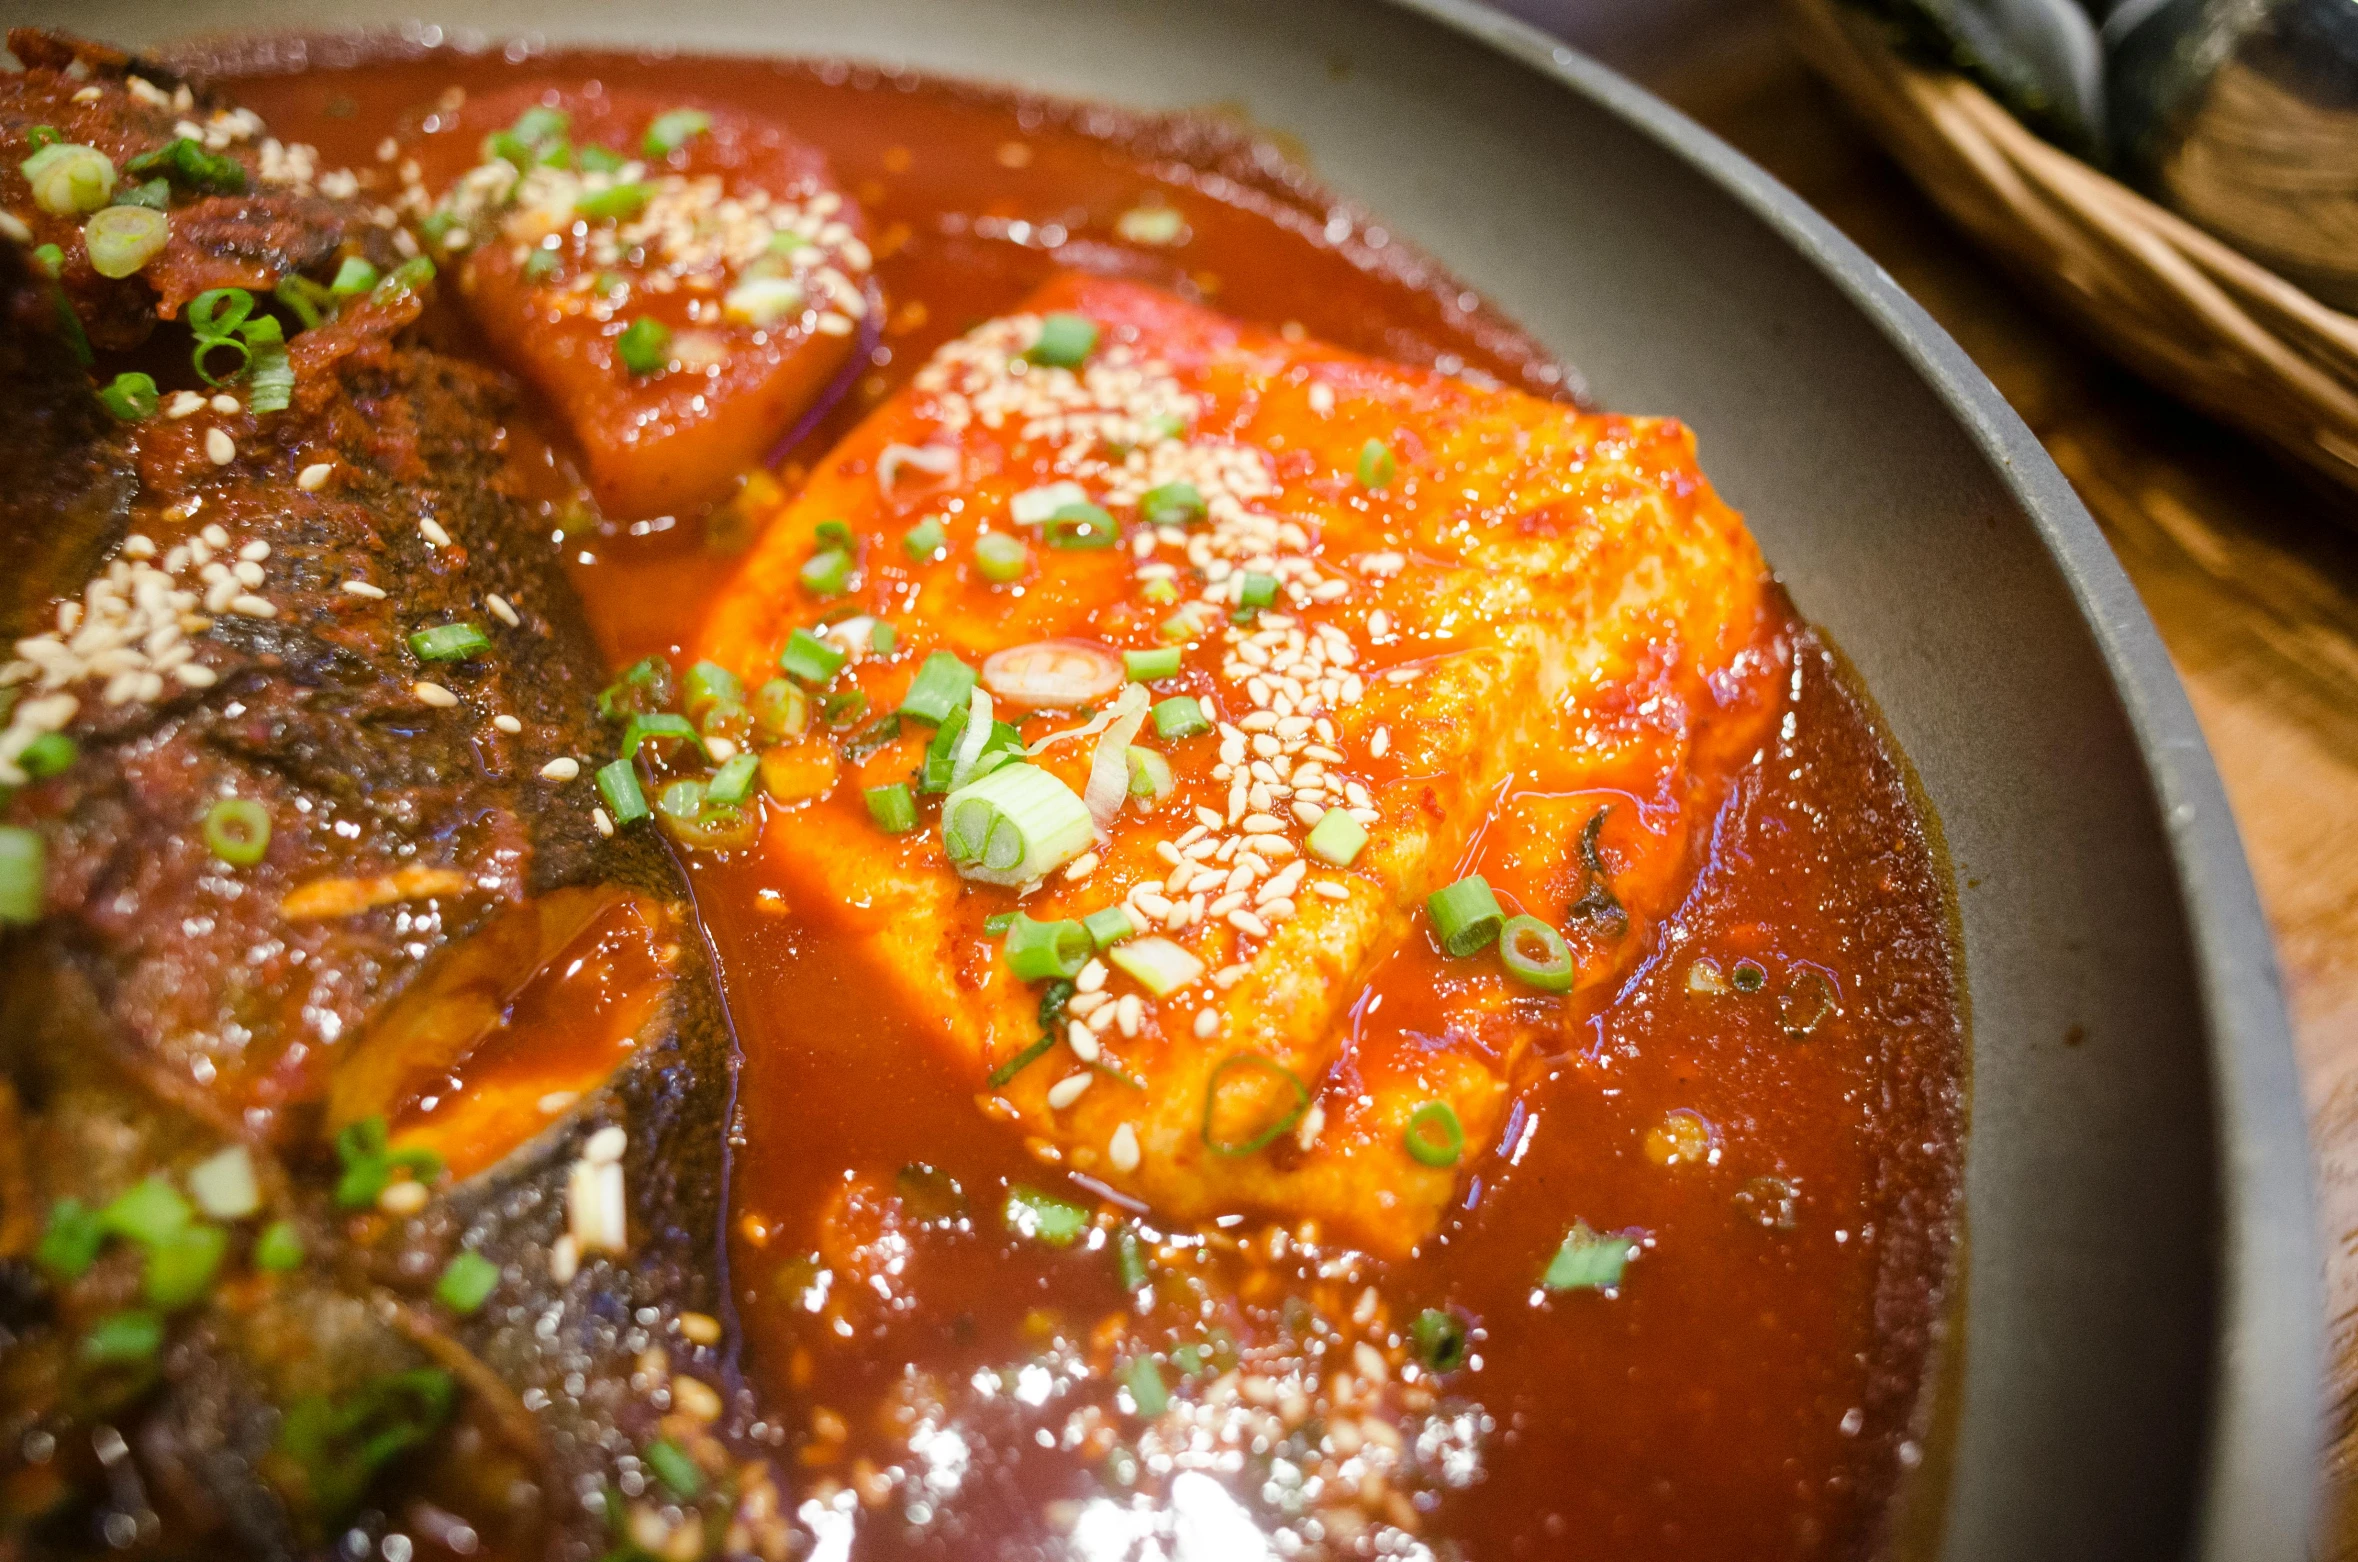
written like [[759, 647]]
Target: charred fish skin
[[178, 996]]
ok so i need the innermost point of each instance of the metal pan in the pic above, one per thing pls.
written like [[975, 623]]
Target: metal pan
[[2142, 1341]]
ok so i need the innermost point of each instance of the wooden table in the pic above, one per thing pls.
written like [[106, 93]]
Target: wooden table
[[2250, 569]]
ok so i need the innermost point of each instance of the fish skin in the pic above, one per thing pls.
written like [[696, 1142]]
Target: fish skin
[[115, 1018]]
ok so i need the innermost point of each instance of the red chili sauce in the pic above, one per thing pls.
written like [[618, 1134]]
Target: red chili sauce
[[1771, 1103]]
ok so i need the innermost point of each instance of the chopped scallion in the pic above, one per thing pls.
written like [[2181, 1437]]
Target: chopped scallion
[[1535, 954], [1257, 591], [69, 1244], [1336, 839], [1156, 964], [810, 658], [353, 278], [223, 1184], [279, 1248], [925, 540], [1376, 466], [941, 686], [1145, 1382], [147, 1212], [1466, 916], [1043, 1217], [827, 573], [675, 1469], [644, 346], [237, 830], [1171, 504], [893, 807], [1081, 526], [1440, 1340], [1065, 341], [1021, 1061], [123, 1339], [733, 782], [780, 711], [1044, 951], [1588, 1260], [617, 202], [662, 728], [998, 922], [1014, 825], [180, 1268], [130, 396], [50, 754], [24, 865], [673, 130], [1150, 774], [1143, 666], [1180, 716], [646, 687], [1001, 558], [618, 784], [1434, 1136], [707, 683], [122, 239], [467, 1282], [1109, 926], [449, 643], [1250, 1101], [1130, 1261]]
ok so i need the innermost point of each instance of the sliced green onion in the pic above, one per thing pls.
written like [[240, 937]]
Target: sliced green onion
[[1145, 1382], [1130, 1261], [1171, 504], [1588, 1260], [682, 800], [180, 1268], [893, 807], [1180, 716], [1014, 825], [882, 637], [827, 573], [1001, 558], [353, 278], [1150, 774], [51, 259], [1257, 591], [644, 345], [1034, 505], [998, 922], [941, 686], [733, 782], [1434, 1136], [925, 540], [661, 728], [1003, 746], [1465, 915], [1747, 976], [1156, 964], [842, 709], [780, 711], [542, 264], [1075, 526], [218, 311], [619, 202], [1185, 624], [40, 136], [1065, 341], [675, 1469], [69, 179], [186, 163], [50, 754], [123, 1339], [1440, 1340], [1109, 926], [1248, 1067], [1160, 592], [1376, 466], [618, 784], [224, 1186], [155, 195], [467, 1282], [1535, 954], [646, 687], [540, 124], [237, 830], [147, 1212], [24, 871], [122, 239], [1043, 951], [309, 301], [1142, 666], [70, 1242], [706, 683], [1043, 1217], [408, 277], [671, 131], [448, 643], [130, 397], [69, 325], [1021, 1061], [279, 1248], [1336, 839], [271, 376], [810, 658]]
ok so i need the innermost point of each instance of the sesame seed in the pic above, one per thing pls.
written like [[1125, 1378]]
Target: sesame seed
[[564, 1260], [314, 477], [406, 1197], [250, 606], [1121, 1151], [501, 610], [254, 552], [1082, 866], [1330, 889], [1245, 922], [1207, 1023], [700, 1328], [1082, 1040], [361, 588], [223, 402], [607, 1144], [433, 694], [220, 449], [1092, 977], [605, 824], [560, 769], [195, 674], [1067, 1090], [507, 723], [1129, 1013], [432, 530], [833, 324]]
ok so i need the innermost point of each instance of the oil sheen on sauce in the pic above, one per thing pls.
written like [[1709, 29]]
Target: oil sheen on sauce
[[1771, 1102]]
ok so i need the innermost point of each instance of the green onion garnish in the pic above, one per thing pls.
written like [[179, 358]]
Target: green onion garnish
[[1257, 591], [1021, 1061], [353, 278], [925, 540], [1434, 1136], [24, 870], [827, 573], [309, 302], [941, 686], [279, 1248], [671, 131], [998, 922], [1081, 526], [646, 687], [675, 1469], [1003, 746], [1180, 716], [1156, 964], [1130, 1261], [1001, 558], [237, 830], [733, 782], [155, 195], [644, 346], [1376, 466], [122, 239], [1589, 1260], [1262, 1083], [810, 658], [181, 1267], [1440, 1340], [271, 379], [123, 1339], [1171, 504], [1065, 341], [893, 807], [1535, 954], [706, 684], [661, 728], [1145, 1382], [69, 1244], [682, 800], [188, 165], [147, 1212], [882, 637], [69, 179], [51, 259], [411, 275], [1150, 774], [1109, 926], [50, 754], [1336, 839], [780, 711], [618, 784], [40, 136], [1747, 976], [1042, 951], [1043, 1217], [467, 1282], [449, 643], [540, 124], [1015, 825], [619, 202], [1143, 666], [1465, 915], [542, 264]]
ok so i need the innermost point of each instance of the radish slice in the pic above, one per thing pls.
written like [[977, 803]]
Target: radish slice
[[1109, 767], [1053, 673]]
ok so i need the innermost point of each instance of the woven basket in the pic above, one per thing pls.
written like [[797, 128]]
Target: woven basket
[[2197, 318]]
